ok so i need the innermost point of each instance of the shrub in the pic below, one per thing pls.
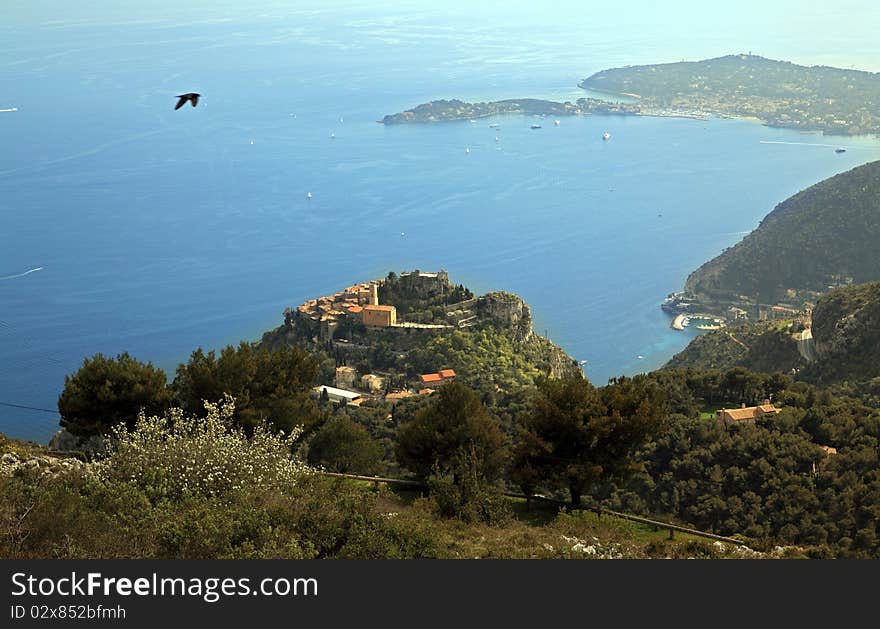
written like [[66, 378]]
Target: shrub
[[176, 455]]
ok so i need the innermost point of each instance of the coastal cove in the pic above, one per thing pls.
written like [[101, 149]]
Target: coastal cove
[[194, 228]]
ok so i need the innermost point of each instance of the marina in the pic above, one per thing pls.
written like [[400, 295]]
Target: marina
[[707, 322]]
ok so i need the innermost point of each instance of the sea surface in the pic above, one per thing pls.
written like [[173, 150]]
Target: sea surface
[[128, 226]]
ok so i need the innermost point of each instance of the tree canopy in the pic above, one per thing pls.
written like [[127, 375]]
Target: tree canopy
[[576, 435], [106, 391], [342, 445], [267, 385], [453, 426]]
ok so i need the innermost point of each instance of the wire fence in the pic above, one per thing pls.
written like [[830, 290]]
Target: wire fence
[[672, 528]]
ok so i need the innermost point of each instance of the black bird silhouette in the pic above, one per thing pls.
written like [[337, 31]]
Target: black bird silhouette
[[192, 97]]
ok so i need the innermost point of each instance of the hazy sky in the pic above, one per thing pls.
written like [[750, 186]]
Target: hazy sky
[[840, 32]]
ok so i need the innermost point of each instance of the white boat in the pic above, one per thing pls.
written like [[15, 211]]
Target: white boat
[[467, 150], [556, 122], [332, 135], [308, 195], [606, 136]]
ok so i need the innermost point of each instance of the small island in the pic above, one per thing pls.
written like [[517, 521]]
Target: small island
[[778, 93]]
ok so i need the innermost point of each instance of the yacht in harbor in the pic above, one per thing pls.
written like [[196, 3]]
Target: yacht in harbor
[[536, 126], [606, 136]]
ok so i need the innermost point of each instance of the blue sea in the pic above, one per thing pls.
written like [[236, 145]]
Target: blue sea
[[128, 226]]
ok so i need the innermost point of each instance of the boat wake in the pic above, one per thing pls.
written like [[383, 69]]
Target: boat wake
[[17, 275], [6, 111], [830, 146]]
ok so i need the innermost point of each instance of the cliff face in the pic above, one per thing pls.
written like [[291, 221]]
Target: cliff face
[[507, 310], [846, 334]]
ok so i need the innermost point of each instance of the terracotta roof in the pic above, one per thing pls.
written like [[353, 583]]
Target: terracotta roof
[[355, 309], [379, 308], [426, 391], [430, 377], [398, 395], [829, 450], [747, 413], [447, 373], [739, 414]]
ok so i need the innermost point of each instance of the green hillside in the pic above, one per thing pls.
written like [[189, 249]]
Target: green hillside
[[765, 346], [846, 342], [778, 93], [846, 330], [821, 236]]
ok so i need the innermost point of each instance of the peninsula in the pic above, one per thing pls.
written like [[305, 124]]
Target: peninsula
[[449, 110], [778, 93]]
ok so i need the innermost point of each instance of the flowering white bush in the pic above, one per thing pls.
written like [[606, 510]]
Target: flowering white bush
[[174, 455]]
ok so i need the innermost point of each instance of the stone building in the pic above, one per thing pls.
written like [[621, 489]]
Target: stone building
[[379, 316], [745, 415], [345, 377], [372, 383]]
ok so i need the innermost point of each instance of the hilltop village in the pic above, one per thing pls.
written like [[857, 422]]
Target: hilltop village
[[409, 334], [358, 306]]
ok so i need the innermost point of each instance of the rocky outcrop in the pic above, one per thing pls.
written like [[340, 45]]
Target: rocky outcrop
[[507, 311], [51, 466], [64, 441], [846, 335]]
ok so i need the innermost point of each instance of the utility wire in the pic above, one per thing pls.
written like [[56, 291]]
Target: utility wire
[[29, 408]]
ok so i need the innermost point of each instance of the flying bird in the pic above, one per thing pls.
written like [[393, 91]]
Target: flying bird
[[192, 97]]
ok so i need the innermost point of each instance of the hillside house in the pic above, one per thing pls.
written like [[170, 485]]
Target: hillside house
[[345, 377], [372, 383], [745, 414], [434, 380]]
